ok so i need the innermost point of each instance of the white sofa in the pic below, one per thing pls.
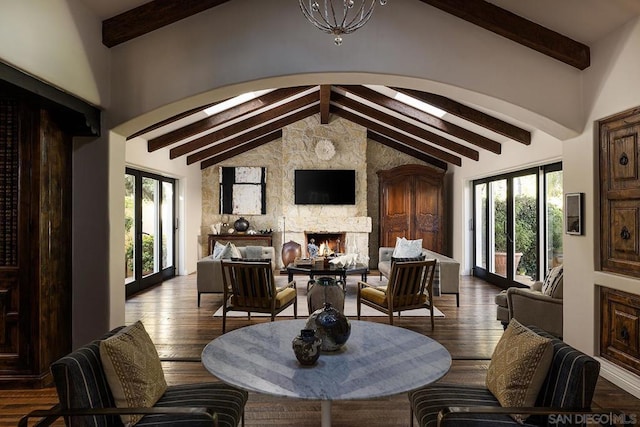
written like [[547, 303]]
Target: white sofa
[[209, 270], [447, 275]]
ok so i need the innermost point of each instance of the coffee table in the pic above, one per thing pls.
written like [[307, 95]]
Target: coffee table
[[378, 360], [318, 269]]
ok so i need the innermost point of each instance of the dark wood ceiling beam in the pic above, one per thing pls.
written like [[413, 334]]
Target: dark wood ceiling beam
[[394, 122], [265, 139], [518, 29], [393, 134], [325, 99], [149, 17], [223, 117], [472, 115], [407, 150], [244, 125], [171, 120], [423, 117], [252, 134]]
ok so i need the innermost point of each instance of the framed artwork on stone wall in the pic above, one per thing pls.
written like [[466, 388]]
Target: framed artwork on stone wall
[[243, 190], [573, 213]]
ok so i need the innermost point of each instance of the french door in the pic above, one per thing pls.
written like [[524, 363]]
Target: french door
[[518, 225], [149, 229]]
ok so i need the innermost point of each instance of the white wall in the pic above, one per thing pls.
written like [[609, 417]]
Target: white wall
[[406, 44], [611, 86], [58, 41]]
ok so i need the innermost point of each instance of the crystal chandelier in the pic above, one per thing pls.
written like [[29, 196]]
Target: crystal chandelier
[[338, 17]]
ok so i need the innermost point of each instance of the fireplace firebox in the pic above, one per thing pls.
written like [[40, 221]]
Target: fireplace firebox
[[334, 242]]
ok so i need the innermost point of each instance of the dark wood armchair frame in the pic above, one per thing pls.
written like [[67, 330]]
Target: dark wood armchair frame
[[49, 416], [253, 283], [407, 280]]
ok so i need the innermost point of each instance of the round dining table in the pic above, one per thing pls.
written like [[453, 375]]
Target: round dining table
[[378, 360]]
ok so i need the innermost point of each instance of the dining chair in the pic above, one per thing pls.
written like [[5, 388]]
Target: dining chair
[[250, 287], [409, 288]]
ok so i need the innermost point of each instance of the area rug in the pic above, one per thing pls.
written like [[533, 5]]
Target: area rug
[[350, 308]]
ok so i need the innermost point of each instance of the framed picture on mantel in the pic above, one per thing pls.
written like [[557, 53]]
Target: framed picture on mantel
[[573, 213]]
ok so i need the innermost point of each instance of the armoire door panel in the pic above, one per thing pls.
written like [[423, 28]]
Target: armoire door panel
[[411, 206]]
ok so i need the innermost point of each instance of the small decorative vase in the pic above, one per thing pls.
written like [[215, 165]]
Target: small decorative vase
[[306, 346], [331, 326], [241, 225]]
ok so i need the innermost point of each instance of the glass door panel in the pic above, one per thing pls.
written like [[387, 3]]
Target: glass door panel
[[129, 227], [150, 218], [167, 221], [498, 227], [553, 210], [525, 233], [481, 225]]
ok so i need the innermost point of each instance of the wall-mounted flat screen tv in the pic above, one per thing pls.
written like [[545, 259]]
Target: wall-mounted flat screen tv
[[325, 187]]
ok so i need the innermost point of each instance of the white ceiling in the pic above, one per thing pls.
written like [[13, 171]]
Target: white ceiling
[[582, 20]]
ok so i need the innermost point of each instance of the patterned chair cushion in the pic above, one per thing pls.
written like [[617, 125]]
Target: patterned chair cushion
[[227, 402], [552, 285], [428, 401]]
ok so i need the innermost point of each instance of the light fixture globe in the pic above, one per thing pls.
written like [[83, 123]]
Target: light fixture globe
[[338, 17]]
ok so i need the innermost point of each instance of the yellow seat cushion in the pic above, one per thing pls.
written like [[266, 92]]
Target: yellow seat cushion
[[285, 296], [376, 296]]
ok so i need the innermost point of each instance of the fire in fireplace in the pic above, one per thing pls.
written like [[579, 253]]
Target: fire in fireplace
[[332, 242]]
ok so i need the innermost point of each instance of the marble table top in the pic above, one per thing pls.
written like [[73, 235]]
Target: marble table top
[[378, 360]]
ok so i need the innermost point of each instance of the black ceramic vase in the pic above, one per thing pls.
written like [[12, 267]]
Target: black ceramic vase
[[241, 225], [306, 346], [331, 326]]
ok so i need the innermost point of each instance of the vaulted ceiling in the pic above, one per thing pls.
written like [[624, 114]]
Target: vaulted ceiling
[[462, 134]]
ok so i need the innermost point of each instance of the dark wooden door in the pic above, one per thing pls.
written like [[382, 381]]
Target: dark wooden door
[[35, 241], [411, 206]]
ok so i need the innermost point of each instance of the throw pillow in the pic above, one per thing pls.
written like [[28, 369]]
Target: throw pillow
[[217, 250], [235, 252], [417, 258], [518, 367], [407, 248], [133, 370], [551, 285]]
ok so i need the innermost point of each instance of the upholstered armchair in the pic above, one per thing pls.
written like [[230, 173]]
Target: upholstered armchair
[[568, 382], [250, 287], [540, 305], [209, 269], [84, 382]]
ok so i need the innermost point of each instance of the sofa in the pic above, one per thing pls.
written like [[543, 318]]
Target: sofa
[[533, 306], [209, 270], [447, 274]]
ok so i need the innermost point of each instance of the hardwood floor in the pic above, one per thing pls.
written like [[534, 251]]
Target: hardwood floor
[[180, 330]]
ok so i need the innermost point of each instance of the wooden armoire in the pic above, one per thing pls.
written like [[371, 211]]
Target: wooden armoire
[[412, 206], [35, 234]]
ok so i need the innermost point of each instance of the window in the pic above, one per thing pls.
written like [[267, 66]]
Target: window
[[515, 215]]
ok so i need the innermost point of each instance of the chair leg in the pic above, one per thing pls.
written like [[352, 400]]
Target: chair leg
[[295, 308], [432, 321], [457, 299], [198, 299], [411, 416], [224, 320]]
